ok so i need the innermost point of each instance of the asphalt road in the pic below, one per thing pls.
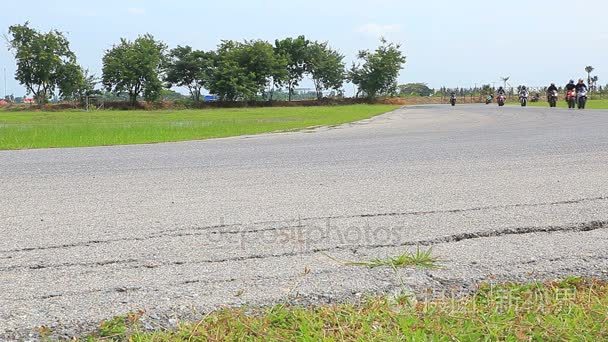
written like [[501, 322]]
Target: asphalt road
[[179, 229]]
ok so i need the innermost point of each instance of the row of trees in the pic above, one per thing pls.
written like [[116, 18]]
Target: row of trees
[[246, 70]]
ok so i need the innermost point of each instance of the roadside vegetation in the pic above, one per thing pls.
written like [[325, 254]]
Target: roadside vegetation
[[25, 130], [249, 70], [571, 310], [591, 104]]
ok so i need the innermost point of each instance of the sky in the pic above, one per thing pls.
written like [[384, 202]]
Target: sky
[[447, 43]]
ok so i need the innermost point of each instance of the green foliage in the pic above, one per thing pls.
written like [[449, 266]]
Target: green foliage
[[243, 70], [326, 67], [75, 83], [416, 89], [171, 95], [378, 73], [573, 310], [189, 68], [294, 51], [44, 62], [134, 67], [230, 79], [420, 259]]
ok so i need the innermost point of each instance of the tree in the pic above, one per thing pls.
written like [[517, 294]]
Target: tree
[[171, 95], [589, 69], [229, 80], [243, 70], [294, 53], [189, 68], [42, 59], [75, 83], [593, 84], [417, 89], [378, 73], [326, 67], [265, 67], [134, 67]]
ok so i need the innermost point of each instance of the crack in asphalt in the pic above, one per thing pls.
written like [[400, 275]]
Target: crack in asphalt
[[170, 233], [82, 264], [129, 289], [581, 227]]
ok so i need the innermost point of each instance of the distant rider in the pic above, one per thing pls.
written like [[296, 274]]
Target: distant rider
[[501, 91], [551, 88], [580, 87], [523, 92], [570, 86]]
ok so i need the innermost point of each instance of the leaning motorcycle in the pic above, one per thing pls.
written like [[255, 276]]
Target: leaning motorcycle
[[581, 99], [489, 99], [453, 100]]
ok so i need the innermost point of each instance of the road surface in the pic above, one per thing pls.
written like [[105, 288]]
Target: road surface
[[179, 229]]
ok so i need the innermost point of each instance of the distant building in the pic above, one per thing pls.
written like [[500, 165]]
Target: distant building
[[211, 98], [28, 100], [3, 103]]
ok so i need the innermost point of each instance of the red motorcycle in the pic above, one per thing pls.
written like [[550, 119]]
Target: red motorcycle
[[501, 100], [571, 98]]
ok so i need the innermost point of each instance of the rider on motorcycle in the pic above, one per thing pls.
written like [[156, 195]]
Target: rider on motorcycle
[[580, 86], [570, 85], [523, 92], [551, 88], [581, 91], [552, 94]]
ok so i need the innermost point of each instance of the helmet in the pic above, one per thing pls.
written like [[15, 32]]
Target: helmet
[[571, 81], [581, 80], [523, 87], [553, 84]]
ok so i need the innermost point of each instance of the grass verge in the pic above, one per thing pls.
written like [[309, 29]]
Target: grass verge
[[573, 309], [591, 104], [24, 130]]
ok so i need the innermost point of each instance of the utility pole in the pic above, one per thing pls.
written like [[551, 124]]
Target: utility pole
[[5, 83], [505, 79]]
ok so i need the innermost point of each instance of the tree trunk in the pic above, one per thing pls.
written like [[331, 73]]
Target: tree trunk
[[319, 90], [133, 99]]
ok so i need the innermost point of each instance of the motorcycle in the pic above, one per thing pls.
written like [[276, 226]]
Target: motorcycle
[[571, 98], [581, 99], [453, 100], [489, 99], [501, 100], [523, 99], [553, 98]]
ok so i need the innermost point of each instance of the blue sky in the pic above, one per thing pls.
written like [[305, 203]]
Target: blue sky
[[446, 42]]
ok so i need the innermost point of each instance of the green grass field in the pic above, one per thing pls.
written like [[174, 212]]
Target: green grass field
[[591, 104], [570, 310], [24, 130]]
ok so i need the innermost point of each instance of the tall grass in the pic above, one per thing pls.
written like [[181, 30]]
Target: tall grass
[[569, 310], [23, 130]]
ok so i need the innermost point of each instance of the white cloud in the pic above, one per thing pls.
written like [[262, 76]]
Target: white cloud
[[374, 29], [136, 11]]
